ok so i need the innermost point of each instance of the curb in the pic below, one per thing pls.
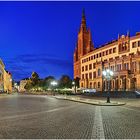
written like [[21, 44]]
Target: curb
[[94, 103]]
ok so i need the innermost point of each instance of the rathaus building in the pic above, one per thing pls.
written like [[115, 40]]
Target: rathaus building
[[122, 56]]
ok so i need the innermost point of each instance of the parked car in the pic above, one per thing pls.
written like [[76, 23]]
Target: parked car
[[88, 90]]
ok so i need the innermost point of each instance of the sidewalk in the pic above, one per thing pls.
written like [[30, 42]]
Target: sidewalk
[[89, 101]]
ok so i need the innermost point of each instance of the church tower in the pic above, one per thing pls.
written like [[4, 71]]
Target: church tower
[[84, 45]]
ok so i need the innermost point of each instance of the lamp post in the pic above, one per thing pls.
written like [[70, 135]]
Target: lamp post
[[73, 83], [108, 74], [54, 83]]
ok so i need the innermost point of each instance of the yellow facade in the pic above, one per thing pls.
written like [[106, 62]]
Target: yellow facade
[[2, 69], [124, 63], [5, 79], [7, 82], [122, 56]]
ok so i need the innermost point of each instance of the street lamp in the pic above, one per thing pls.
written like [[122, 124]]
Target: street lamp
[[108, 74], [73, 83], [54, 83]]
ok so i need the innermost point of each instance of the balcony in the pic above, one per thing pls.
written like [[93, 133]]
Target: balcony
[[122, 72]]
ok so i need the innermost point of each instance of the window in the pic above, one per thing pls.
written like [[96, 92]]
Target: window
[[110, 59], [117, 57], [98, 84], [86, 67], [90, 66], [138, 43], [110, 51], [94, 65], [90, 85], [112, 68], [123, 56], [120, 46], [91, 57], [82, 76], [86, 76], [103, 53], [83, 68], [96, 55], [94, 84], [127, 66], [134, 66], [90, 75], [99, 72], [131, 54], [114, 50], [94, 74], [107, 52], [99, 54], [134, 45], [118, 67]]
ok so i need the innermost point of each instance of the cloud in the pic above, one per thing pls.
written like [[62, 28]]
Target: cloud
[[22, 65], [44, 59]]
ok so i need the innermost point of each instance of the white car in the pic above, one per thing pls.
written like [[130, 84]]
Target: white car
[[88, 90]]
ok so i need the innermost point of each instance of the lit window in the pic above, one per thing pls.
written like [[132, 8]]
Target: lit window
[[94, 74], [86, 67], [107, 52], [114, 50], [96, 55], [110, 51], [94, 65], [86, 76], [82, 76], [138, 43], [98, 84], [90, 75], [134, 45], [90, 66]]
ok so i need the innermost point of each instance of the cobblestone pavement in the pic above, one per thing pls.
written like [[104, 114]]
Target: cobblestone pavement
[[30, 116]]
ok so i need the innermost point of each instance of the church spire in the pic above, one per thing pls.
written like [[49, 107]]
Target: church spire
[[83, 22]]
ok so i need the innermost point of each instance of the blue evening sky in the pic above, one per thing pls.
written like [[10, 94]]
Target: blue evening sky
[[41, 36]]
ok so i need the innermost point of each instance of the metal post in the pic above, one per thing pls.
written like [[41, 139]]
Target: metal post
[[74, 88], [108, 95]]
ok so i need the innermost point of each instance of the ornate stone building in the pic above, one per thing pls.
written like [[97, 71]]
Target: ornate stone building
[[122, 56]]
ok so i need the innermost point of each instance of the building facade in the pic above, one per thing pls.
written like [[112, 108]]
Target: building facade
[[7, 82], [2, 69], [5, 79], [122, 56], [23, 84]]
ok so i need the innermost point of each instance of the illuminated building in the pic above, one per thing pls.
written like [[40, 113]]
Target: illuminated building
[[122, 56]]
